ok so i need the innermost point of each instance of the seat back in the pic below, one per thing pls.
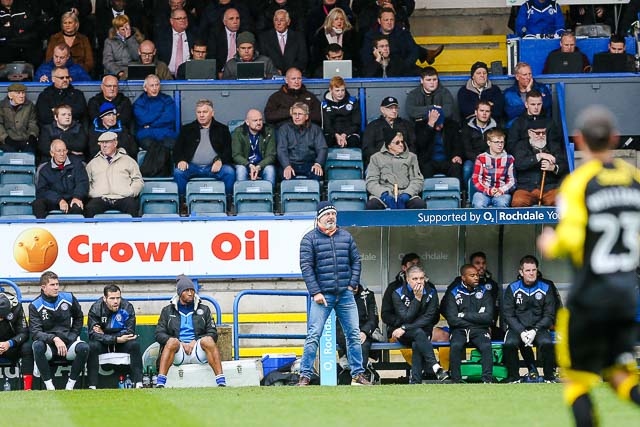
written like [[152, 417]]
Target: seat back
[[17, 168], [344, 163], [441, 193], [234, 124], [206, 197], [159, 197], [253, 197], [16, 199], [299, 196], [347, 194]]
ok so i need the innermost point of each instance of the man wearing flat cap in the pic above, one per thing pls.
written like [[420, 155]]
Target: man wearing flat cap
[[18, 122], [187, 334], [115, 181], [14, 336], [373, 136], [477, 88], [330, 265], [536, 144], [246, 52]]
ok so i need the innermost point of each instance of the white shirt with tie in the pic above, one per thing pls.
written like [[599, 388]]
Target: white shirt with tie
[[231, 44], [175, 62], [282, 40]]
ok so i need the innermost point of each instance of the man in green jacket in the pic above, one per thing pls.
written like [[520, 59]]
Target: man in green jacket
[[253, 147]]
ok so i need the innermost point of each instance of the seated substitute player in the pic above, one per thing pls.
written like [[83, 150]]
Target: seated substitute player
[[55, 322], [187, 334], [112, 328], [468, 308], [598, 232], [528, 310]]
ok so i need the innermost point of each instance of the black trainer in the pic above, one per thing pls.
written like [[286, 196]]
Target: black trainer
[[442, 375]]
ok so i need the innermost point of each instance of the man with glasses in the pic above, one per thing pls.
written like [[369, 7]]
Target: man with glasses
[[301, 146], [61, 58], [62, 183], [147, 52], [174, 44], [540, 157], [109, 92], [198, 53], [514, 96], [60, 92], [115, 181]]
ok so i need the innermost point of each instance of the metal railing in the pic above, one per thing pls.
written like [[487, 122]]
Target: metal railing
[[236, 324]]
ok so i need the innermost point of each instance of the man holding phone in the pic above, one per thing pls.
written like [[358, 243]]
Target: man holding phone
[[112, 328]]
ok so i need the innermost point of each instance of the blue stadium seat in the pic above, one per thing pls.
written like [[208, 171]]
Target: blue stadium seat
[[17, 168], [348, 194], [159, 197], [113, 214], [344, 163], [253, 197], [441, 193], [299, 196], [16, 199], [233, 124], [206, 198]]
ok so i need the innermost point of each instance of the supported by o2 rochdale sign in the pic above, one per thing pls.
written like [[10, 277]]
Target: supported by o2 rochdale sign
[[450, 217]]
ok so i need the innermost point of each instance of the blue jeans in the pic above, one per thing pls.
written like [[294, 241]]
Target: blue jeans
[[268, 174], [347, 313], [481, 200], [467, 171], [226, 174]]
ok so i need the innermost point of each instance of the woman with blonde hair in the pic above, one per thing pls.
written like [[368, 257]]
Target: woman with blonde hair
[[336, 29], [81, 49], [121, 47]]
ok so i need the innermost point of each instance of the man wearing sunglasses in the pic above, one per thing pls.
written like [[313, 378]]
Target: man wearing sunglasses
[[60, 92]]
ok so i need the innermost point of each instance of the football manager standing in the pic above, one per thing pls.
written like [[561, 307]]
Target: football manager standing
[[330, 264]]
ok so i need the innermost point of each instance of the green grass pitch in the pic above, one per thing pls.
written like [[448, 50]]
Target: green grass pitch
[[450, 405]]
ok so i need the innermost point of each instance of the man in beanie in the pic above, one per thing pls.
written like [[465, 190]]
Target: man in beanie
[[187, 334], [55, 323], [393, 176], [14, 336], [479, 88], [246, 52], [109, 120], [330, 265]]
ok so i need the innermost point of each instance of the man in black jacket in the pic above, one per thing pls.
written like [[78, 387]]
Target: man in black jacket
[[186, 333], [468, 308], [14, 336], [112, 328], [203, 149], [55, 323], [60, 92], [62, 183], [415, 307], [109, 92]]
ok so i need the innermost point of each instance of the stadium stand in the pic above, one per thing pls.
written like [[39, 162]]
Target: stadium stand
[[441, 193], [299, 197], [17, 168], [253, 198]]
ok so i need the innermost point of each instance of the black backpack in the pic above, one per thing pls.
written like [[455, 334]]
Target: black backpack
[[157, 162]]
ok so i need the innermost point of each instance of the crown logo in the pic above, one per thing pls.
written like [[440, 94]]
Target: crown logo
[[35, 250]]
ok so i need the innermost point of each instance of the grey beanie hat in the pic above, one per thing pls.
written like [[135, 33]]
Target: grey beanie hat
[[183, 283]]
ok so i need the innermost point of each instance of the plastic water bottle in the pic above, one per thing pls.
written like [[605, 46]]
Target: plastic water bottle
[[128, 383], [121, 382], [7, 386]]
